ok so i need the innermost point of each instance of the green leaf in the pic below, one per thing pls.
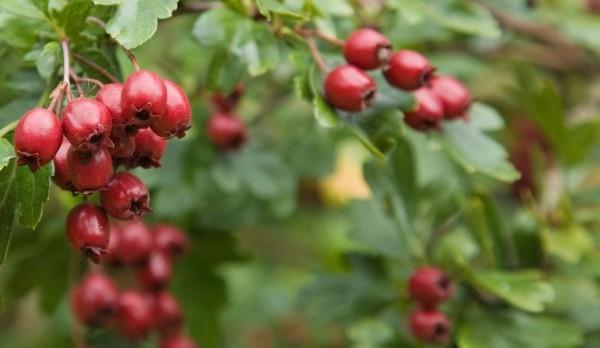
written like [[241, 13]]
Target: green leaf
[[23, 8], [259, 49], [48, 60], [6, 153], [484, 117], [72, 17], [8, 206], [324, 113], [570, 243], [578, 299], [217, 27], [107, 2], [370, 333], [33, 190], [269, 7], [465, 17], [135, 21]]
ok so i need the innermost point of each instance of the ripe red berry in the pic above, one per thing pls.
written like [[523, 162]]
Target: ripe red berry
[[87, 124], [454, 95], [168, 314], [123, 150], [135, 243], [88, 230], [112, 254], [94, 300], [408, 70], [110, 96], [149, 149], [37, 138], [430, 326], [143, 98], [349, 88], [62, 174], [155, 274], [178, 342], [368, 49], [429, 111], [125, 196], [170, 241], [593, 5], [177, 116], [430, 286], [228, 103], [90, 171], [226, 131], [135, 315]]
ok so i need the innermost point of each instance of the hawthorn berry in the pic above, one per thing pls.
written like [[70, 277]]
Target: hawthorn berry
[[453, 94], [135, 317], [226, 131], [593, 5], [38, 136], [143, 98], [110, 96], [177, 116], [367, 49], [408, 70], [88, 230], [168, 314], [429, 111], [90, 170], [125, 196], [178, 342], [149, 149], [169, 240], [112, 255], [135, 243], [155, 274], [430, 326], [123, 150], [349, 88], [430, 286], [94, 300], [228, 103], [62, 174], [87, 124]]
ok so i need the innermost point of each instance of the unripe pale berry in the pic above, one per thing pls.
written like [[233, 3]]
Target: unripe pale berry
[[408, 70], [88, 230], [430, 326], [110, 96], [143, 98], [87, 124], [429, 111], [429, 286], [37, 138], [453, 94], [135, 315], [177, 116], [62, 174], [178, 342], [90, 171], [168, 314], [135, 243], [155, 274], [149, 149], [226, 131], [367, 49], [125, 196], [94, 300], [169, 240], [349, 88]]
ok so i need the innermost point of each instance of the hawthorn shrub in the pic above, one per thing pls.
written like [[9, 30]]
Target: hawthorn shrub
[[299, 173]]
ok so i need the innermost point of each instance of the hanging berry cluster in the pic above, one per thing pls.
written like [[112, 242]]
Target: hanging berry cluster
[[225, 129], [429, 286], [146, 306], [348, 87]]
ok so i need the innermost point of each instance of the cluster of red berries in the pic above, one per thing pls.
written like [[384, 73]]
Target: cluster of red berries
[[429, 286], [348, 87], [134, 313], [224, 129]]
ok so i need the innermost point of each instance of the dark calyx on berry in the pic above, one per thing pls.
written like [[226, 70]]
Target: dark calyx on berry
[[90, 171], [88, 230], [143, 98], [149, 149], [430, 286], [87, 124], [367, 49], [408, 70], [429, 111], [125, 196], [430, 326], [350, 89]]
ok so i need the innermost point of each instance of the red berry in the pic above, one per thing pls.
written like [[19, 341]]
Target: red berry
[[155, 274], [228, 103], [123, 150], [429, 286], [226, 131], [429, 111], [368, 49], [143, 98], [62, 174], [135, 243], [408, 70], [37, 138], [87, 124], [453, 94], [177, 116], [90, 171], [135, 317], [94, 300], [168, 314], [149, 149], [111, 256], [125, 196], [170, 241], [349, 88], [110, 96], [593, 5], [430, 326], [178, 342], [88, 230]]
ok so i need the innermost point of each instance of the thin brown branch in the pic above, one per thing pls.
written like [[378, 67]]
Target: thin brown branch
[[321, 35], [197, 6], [57, 96], [314, 51], [77, 84], [127, 51], [96, 67]]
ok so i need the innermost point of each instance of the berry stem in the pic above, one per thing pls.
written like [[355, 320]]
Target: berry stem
[[96, 67], [129, 54], [57, 95], [321, 35], [66, 61], [77, 84], [314, 51], [91, 80]]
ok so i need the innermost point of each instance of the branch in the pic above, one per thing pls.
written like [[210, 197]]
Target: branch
[[96, 67], [128, 52], [314, 51]]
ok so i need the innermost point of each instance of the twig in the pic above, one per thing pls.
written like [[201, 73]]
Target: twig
[[96, 67], [128, 52], [77, 84], [57, 95], [66, 61], [195, 7], [91, 80], [321, 35], [314, 51]]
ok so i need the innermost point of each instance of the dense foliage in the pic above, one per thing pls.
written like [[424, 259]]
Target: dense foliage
[[306, 223]]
